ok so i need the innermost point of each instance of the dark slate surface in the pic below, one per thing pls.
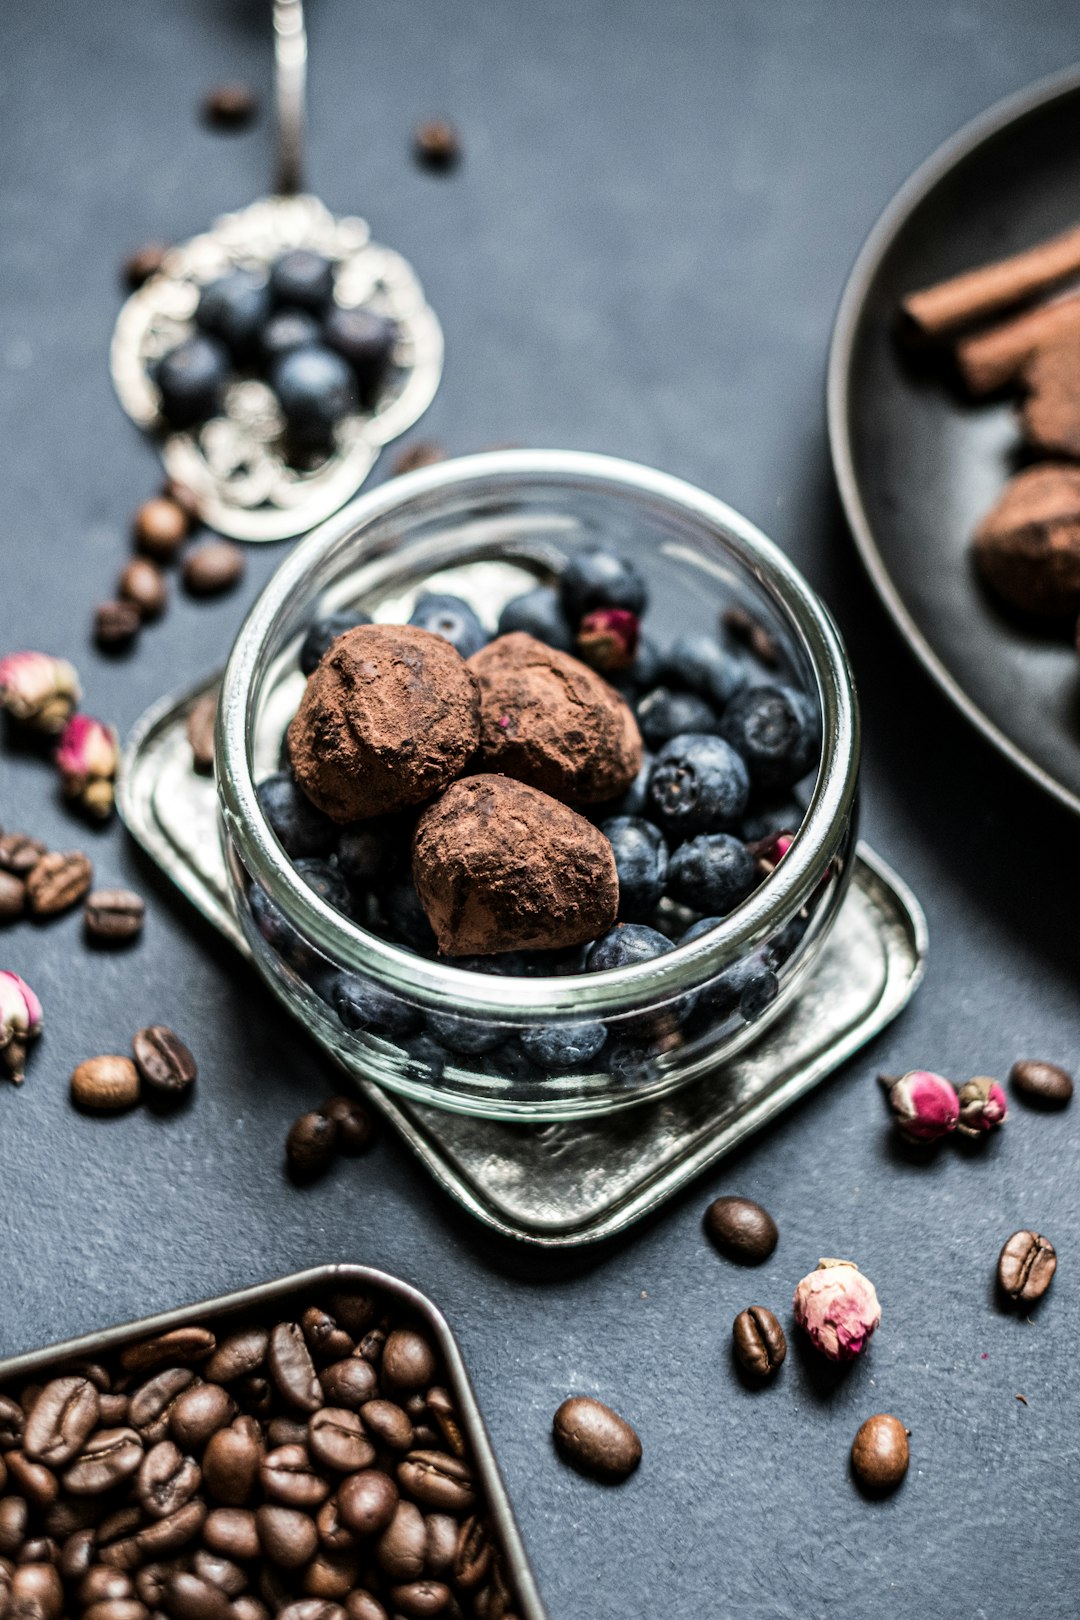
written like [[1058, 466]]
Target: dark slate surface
[[641, 254]]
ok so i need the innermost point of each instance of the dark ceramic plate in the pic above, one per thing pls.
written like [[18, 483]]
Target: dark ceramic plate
[[917, 465]]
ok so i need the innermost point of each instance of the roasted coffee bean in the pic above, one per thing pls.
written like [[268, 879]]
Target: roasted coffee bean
[[741, 1229], [594, 1439], [256, 1394], [40, 1550], [12, 897], [116, 624], [367, 1502], [19, 853], [241, 1353], [213, 566], [332, 1575], [143, 584], [287, 1537], [32, 1479], [105, 1083], [292, 1368], [149, 1404], [167, 1480], [444, 1412], [98, 1374], [145, 262], [1043, 1084], [437, 1480], [114, 1411], [166, 1536], [119, 1525], [198, 1413], [287, 1476], [101, 1584], [62, 1417], [418, 1599], [14, 1517], [232, 1532], [1026, 1267], [28, 1395], [189, 1597], [77, 1554], [400, 1550], [113, 916], [117, 1609], [880, 1453], [436, 144], [472, 1554], [161, 527], [163, 1061], [220, 1572], [349, 1383], [360, 1605], [38, 1585], [59, 880], [337, 1441], [312, 1609], [389, 1423], [230, 106], [758, 1341], [12, 1423], [108, 1458], [408, 1361], [325, 1338], [246, 1607], [371, 1346], [201, 720], [286, 1431], [3, 1476], [354, 1125], [182, 1345], [311, 1144], [356, 1312], [334, 1534]]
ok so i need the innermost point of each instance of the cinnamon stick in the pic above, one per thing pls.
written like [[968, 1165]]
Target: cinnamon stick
[[949, 305], [989, 360]]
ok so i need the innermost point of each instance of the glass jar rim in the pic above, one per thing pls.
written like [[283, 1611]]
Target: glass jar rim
[[437, 983]]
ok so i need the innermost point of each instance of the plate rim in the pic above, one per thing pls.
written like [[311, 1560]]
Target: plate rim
[[919, 184]]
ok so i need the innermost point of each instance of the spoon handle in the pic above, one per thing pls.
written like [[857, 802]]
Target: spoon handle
[[290, 86]]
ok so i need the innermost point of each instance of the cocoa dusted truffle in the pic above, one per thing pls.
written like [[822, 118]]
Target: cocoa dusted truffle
[[1028, 545], [500, 866], [390, 716], [549, 720]]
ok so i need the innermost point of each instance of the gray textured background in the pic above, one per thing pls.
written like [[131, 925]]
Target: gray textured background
[[642, 254]]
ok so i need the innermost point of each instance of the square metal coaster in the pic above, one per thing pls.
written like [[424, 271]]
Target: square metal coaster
[[559, 1185]]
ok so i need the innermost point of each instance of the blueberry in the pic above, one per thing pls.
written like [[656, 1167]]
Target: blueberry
[[234, 308], [191, 379], [278, 931], [315, 389], [663, 714], [304, 279], [563, 1046], [775, 731], [323, 632], [641, 862], [406, 918], [599, 578], [630, 1061], [326, 881], [297, 825], [624, 945], [785, 941], [698, 784], [285, 331], [747, 986], [635, 799], [369, 853], [769, 817], [699, 662], [648, 661], [451, 618], [364, 1006], [366, 340], [538, 613], [713, 873], [469, 1036]]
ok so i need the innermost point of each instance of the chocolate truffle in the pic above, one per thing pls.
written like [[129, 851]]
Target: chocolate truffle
[[500, 866], [389, 716], [1051, 411], [549, 720], [1027, 546]]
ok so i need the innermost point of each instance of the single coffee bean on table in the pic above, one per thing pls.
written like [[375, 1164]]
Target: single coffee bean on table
[[230, 106], [161, 527], [1046, 1085], [144, 585], [143, 263], [311, 1144], [113, 916], [741, 1229], [106, 1083], [1026, 1267], [201, 721], [12, 897], [164, 1062], [59, 879], [213, 566], [436, 145], [19, 853], [352, 1121], [758, 1341], [595, 1440], [880, 1453], [116, 624]]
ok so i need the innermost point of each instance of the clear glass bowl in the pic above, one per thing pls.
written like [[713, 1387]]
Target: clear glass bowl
[[488, 527]]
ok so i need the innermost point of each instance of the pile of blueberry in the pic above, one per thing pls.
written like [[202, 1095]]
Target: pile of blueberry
[[727, 739], [322, 361]]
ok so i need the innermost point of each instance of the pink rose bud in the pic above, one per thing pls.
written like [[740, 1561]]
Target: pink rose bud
[[769, 852], [20, 1022], [608, 639], [924, 1105], [837, 1308], [982, 1106], [39, 690], [87, 755]]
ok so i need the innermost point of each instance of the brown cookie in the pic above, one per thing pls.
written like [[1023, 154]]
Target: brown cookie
[[1027, 547]]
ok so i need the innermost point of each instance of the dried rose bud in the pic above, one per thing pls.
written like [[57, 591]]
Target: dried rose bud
[[608, 638], [769, 852], [837, 1308], [20, 1022], [924, 1105], [87, 755], [39, 690], [982, 1106]]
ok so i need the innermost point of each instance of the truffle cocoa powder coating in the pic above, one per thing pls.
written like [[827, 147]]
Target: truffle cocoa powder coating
[[390, 716], [1028, 545], [500, 866], [549, 720]]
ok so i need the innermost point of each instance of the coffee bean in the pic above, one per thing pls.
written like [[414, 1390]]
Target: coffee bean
[[149, 1404], [32, 1479], [232, 1532], [389, 1423], [101, 1584], [290, 1431], [39, 1588], [355, 1312], [116, 624], [332, 1575], [367, 1501], [12, 897], [167, 1480], [230, 106], [400, 1550], [337, 1441], [12, 1423], [1026, 1267], [201, 720], [437, 1480], [741, 1229], [349, 1383], [184, 1345], [161, 527], [143, 584], [220, 1572], [198, 1413], [360, 1605], [14, 1517], [473, 1553], [879, 1453], [113, 916], [312, 1609], [286, 1536], [247, 1607], [189, 1597], [213, 566], [105, 1083], [168, 1535], [759, 1342], [325, 1339], [108, 1458], [334, 1535], [292, 1368], [117, 1609], [237, 1355], [423, 453], [232, 1460], [436, 145], [1043, 1084], [163, 1061], [310, 1144], [408, 1361], [145, 262], [39, 1550], [418, 1599], [444, 1412], [371, 1346], [78, 1552], [114, 1411], [286, 1475], [594, 1439], [62, 1418], [58, 881], [354, 1125], [150, 1584], [19, 853]]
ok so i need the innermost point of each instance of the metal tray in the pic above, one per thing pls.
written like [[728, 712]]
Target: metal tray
[[36, 1364], [557, 1186]]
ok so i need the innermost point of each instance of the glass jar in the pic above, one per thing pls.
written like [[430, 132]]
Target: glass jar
[[487, 528]]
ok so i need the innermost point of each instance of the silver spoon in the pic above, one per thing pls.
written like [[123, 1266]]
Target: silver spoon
[[235, 464]]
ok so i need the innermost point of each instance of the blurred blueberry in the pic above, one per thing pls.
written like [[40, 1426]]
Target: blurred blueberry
[[406, 918], [784, 943], [451, 618], [362, 1005], [600, 578], [278, 931], [698, 661], [774, 729], [323, 632], [297, 825], [315, 389], [648, 661], [746, 987], [326, 880], [764, 819], [698, 784], [641, 861], [663, 714], [563, 1046], [191, 379], [712, 873], [234, 308], [626, 945], [303, 279], [366, 340], [635, 799], [286, 330], [370, 852], [468, 1036], [538, 613]]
